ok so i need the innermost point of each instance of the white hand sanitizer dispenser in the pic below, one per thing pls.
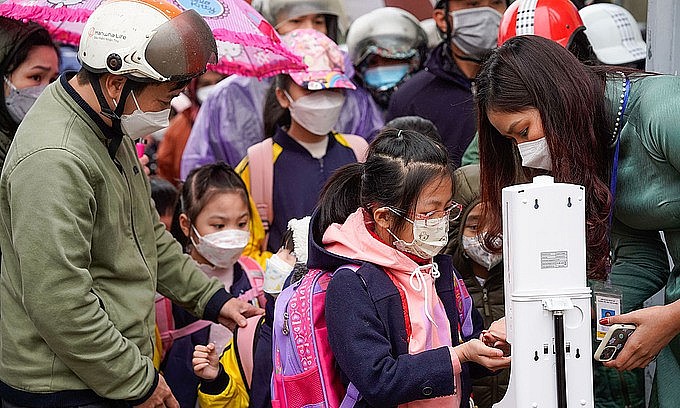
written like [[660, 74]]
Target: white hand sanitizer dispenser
[[547, 300]]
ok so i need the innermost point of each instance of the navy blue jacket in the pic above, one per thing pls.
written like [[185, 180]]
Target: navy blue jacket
[[176, 367], [298, 180], [442, 94], [367, 334]]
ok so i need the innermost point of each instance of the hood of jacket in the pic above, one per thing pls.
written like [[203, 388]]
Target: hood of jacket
[[441, 64], [355, 243], [13, 33], [467, 192]]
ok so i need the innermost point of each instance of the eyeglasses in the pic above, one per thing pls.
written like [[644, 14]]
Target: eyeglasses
[[431, 218]]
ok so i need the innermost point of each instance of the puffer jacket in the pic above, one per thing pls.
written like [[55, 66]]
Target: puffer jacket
[[489, 298]]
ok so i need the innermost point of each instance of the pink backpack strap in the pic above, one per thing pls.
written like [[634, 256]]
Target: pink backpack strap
[[188, 329], [164, 319], [245, 342], [256, 278], [260, 162], [359, 146]]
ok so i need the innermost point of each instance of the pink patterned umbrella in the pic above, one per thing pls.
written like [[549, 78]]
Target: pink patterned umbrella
[[247, 44]]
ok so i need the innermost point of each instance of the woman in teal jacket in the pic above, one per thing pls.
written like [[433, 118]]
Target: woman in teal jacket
[[540, 111]]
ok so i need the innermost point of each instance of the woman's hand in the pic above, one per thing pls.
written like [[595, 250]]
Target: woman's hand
[[206, 362], [656, 327], [476, 351]]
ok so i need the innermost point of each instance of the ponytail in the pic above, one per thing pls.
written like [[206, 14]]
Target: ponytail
[[340, 197]]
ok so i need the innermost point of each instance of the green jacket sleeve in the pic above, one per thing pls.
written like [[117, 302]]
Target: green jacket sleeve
[[51, 224], [471, 155]]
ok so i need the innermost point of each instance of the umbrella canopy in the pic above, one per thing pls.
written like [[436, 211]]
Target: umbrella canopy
[[247, 44]]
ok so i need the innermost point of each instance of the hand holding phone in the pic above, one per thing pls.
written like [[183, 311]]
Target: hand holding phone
[[613, 341]]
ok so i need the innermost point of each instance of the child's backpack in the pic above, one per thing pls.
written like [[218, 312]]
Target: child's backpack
[[261, 164], [166, 323], [305, 374]]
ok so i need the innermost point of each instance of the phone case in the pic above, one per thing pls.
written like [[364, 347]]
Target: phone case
[[613, 341]]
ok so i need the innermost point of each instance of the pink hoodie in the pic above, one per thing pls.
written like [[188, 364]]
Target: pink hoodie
[[429, 323]]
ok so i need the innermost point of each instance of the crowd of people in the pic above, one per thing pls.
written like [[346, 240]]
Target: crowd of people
[[161, 280]]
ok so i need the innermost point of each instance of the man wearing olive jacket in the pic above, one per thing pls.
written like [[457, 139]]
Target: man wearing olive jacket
[[83, 251]]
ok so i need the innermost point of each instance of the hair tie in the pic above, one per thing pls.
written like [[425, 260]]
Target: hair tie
[[399, 133]]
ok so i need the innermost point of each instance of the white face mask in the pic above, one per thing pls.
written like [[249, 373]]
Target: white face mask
[[429, 237], [474, 248], [535, 154], [317, 112], [140, 123], [19, 101], [475, 30], [275, 274], [221, 248], [204, 92]]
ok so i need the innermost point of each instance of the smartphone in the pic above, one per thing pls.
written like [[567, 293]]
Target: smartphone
[[613, 341]]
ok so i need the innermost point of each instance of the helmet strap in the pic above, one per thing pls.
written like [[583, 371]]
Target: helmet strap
[[116, 138], [467, 58]]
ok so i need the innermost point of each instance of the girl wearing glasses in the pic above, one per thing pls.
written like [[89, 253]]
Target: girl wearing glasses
[[401, 326]]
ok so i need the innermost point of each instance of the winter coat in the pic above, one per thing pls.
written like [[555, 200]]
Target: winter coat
[[177, 367], [489, 298], [298, 180], [367, 332], [83, 254], [442, 94]]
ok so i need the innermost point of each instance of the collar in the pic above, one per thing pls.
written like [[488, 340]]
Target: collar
[[286, 141], [440, 63], [107, 130]]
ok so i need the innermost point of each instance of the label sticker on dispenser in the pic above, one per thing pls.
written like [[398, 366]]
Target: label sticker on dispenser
[[607, 304], [554, 259]]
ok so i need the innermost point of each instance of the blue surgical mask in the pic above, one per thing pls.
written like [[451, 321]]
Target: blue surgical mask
[[385, 76], [19, 101]]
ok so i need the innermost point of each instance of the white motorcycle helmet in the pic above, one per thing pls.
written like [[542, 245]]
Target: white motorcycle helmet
[[613, 33], [146, 40]]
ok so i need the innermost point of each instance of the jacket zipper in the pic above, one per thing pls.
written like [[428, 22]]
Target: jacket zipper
[[485, 300], [132, 221]]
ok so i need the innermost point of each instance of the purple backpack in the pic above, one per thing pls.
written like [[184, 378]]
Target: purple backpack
[[305, 373]]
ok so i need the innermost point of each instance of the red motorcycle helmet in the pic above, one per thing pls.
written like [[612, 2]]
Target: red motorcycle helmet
[[557, 20]]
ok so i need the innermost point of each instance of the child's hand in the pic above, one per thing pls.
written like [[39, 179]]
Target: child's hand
[[206, 362], [476, 351]]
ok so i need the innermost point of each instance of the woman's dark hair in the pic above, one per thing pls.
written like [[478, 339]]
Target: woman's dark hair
[[204, 182], [417, 124], [38, 37], [530, 72], [399, 164], [275, 115]]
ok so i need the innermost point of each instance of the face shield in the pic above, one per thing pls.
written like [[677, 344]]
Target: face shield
[[388, 32], [282, 10], [181, 48]]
